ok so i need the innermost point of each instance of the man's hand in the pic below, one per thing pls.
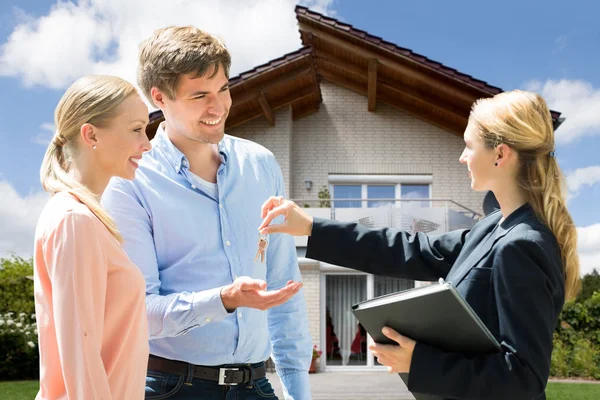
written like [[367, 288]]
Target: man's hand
[[248, 292]]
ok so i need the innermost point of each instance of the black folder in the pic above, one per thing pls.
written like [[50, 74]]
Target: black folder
[[436, 315]]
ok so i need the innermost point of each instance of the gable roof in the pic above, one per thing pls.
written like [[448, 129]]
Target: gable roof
[[306, 15], [352, 58], [288, 80], [400, 77]]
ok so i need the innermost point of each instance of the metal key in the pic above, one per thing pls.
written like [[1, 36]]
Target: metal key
[[262, 248]]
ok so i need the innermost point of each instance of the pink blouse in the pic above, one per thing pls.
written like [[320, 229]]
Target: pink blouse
[[90, 308]]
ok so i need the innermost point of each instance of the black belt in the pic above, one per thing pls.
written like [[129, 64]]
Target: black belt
[[224, 375]]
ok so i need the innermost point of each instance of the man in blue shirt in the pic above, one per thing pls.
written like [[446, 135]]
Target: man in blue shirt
[[189, 221]]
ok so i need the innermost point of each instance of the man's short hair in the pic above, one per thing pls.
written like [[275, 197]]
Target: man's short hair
[[175, 51]]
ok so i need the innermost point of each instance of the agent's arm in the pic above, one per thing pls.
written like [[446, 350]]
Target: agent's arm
[[384, 251]]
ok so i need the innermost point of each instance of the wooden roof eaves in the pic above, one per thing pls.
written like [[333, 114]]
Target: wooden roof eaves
[[341, 29], [247, 77]]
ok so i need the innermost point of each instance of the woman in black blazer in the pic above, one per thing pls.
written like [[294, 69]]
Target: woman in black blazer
[[515, 267]]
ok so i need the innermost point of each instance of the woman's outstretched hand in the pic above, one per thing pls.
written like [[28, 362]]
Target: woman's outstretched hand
[[296, 222]]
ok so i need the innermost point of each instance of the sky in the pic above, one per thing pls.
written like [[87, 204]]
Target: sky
[[550, 47]]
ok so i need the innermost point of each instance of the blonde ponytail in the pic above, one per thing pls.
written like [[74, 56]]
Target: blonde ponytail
[[522, 121], [91, 99], [545, 185]]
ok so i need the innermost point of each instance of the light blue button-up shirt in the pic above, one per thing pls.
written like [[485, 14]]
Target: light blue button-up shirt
[[189, 244]]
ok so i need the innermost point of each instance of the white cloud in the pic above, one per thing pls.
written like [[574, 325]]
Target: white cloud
[[101, 37], [587, 176], [18, 218], [44, 138], [588, 247], [578, 101], [44, 52]]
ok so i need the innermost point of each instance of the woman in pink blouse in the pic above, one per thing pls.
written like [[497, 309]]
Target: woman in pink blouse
[[89, 297]]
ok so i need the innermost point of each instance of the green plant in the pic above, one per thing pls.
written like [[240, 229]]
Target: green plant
[[17, 285], [584, 361], [316, 353], [325, 197], [584, 316], [559, 365], [577, 336], [18, 347], [18, 332], [590, 283]]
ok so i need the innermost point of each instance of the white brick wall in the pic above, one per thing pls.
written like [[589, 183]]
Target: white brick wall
[[311, 277], [344, 138], [276, 138]]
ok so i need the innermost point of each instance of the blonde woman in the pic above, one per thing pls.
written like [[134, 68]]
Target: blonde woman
[[89, 297], [515, 267]]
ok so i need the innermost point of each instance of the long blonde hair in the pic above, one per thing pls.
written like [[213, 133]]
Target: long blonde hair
[[93, 99], [522, 121]]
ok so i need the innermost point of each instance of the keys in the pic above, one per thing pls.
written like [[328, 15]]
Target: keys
[[262, 248]]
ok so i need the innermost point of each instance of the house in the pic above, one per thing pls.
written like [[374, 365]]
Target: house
[[374, 126]]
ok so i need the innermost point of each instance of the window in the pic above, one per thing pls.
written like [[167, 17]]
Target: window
[[383, 189], [380, 192], [347, 192], [412, 191]]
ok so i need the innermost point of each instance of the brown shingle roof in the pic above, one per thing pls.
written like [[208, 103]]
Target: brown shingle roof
[[289, 57], [407, 53], [248, 77], [402, 51]]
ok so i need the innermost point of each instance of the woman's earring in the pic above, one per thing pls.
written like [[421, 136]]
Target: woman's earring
[[94, 148], [496, 164]]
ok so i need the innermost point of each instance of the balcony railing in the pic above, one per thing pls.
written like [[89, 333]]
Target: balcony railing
[[432, 216]]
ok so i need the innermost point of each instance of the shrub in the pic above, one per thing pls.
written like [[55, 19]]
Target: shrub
[[577, 340], [584, 360], [559, 366], [589, 284], [18, 347], [18, 334], [17, 285]]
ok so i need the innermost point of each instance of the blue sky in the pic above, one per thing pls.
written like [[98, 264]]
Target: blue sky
[[549, 46]]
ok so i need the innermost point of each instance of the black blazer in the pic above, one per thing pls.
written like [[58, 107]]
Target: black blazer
[[510, 274]]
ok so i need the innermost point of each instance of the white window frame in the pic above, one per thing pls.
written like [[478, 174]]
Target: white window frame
[[383, 180]]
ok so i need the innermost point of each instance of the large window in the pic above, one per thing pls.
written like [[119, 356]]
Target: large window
[[381, 194]]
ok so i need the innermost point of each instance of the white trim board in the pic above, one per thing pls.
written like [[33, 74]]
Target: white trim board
[[374, 179]]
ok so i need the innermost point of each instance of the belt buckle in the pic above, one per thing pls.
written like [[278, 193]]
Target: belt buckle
[[222, 373]]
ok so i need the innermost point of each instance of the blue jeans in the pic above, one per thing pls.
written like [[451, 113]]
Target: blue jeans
[[162, 385]]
